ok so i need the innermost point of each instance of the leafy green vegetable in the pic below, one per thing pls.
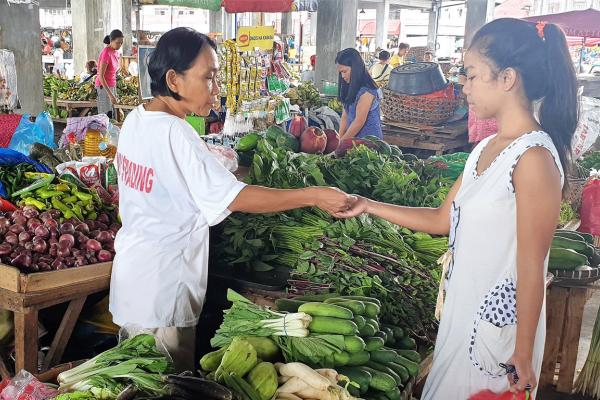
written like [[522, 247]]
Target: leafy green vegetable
[[311, 350]]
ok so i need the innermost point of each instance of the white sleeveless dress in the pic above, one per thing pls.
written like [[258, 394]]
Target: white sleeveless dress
[[478, 325]]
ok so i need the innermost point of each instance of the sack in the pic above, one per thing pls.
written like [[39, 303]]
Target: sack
[[590, 207], [28, 133], [588, 130]]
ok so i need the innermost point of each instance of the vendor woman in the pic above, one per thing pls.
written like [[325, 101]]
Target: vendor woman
[[106, 79], [172, 189], [359, 94]]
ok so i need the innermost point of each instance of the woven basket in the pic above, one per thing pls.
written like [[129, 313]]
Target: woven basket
[[417, 109], [577, 277]]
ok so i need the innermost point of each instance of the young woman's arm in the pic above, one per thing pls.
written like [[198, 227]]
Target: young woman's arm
[[431, 220], [102, 71], [538, 194], [362, 112], [343, 123]]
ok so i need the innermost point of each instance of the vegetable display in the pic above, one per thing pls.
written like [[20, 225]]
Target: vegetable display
[[573, 250]]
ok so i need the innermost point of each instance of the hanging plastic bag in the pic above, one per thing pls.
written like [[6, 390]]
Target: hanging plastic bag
[[28, 133], [590, 205], [24, 386], [588, 129]]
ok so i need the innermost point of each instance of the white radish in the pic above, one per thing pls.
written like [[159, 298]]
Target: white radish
[[282, 379], [306, 373], [330, 374], [287, 396], [293, 385], [313, 393]]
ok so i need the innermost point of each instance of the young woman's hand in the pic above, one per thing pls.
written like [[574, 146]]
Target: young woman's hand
[[359, 207], [525, 372], [333, 200]]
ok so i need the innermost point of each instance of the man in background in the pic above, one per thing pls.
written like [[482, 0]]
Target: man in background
[[399, 58]]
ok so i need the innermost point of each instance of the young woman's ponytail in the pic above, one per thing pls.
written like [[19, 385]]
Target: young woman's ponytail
[[559, 111], [106, 39]]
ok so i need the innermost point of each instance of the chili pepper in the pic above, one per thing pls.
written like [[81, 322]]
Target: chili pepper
[[63, 187], [30, 201], [6, 206], [46, 194], [70, 199], [89, 207], [92, 216], [77, 211], [83, 196], [59, 205], [68, 214]]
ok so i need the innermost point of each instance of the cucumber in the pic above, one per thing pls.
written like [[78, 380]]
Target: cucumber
[[360, 321], [332, 325], [374, 343], [398, 332], [341, 359], [410, 354], [357, 307], [363, 298], [347, 383], [289, 305], [371, 309], [384, 356], [373, 322], [354, 344], [357, 375], [391, 338], [380, 380], [569, 235], [406, 343], [588, 237], [368, 330], [394, 394], [316, 297], [382, 368], [375, 395], [595, 261], [580, 246], [325, 310], [412, 367], [400, 370], [382, 335], [358, 358], [566, 259]]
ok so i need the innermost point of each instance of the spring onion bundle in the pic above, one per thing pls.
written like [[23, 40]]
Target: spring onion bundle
[[588, 381], [245, 318]]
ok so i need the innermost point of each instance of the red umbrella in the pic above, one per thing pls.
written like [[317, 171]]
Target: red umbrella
[[584, 23]]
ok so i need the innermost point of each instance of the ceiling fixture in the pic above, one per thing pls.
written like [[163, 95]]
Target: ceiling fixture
[[362, 11]]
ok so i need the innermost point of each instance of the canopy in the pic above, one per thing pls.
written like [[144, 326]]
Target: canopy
[[584, 23], [368, 27]]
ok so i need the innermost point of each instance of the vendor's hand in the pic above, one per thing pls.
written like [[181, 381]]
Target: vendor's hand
[[525, 372], [333, 200], [359, 206]]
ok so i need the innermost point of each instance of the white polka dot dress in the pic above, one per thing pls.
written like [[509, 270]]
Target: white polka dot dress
[[478, 325]]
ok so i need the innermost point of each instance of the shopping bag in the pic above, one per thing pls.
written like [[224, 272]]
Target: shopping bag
[[590, 206], [28, 133]]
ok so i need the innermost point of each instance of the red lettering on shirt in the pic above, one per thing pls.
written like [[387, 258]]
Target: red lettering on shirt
[[133, 175]]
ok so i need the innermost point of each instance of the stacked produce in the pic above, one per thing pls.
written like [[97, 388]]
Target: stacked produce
[[127, 91], [306, 95], [69, 89], [573, 251]]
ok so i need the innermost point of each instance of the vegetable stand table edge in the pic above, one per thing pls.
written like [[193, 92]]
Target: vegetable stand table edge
[[26, 294], [72, 105]]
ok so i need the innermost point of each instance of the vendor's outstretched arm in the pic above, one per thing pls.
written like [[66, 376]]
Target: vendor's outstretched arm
[[431, 220], [259, 200]]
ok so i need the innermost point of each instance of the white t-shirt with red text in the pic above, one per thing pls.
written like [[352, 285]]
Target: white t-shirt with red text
[[171, 189]]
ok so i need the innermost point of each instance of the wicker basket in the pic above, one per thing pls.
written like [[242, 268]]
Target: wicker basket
[[417, 109], [577, 277]]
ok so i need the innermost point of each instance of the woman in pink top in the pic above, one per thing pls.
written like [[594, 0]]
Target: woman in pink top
[[108, 65]]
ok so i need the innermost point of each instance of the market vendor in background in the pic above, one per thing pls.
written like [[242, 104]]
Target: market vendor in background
[[399, 58], [360, 95], [380, 72], [428, 57], [106, 79], [172, 188], [309, 74]]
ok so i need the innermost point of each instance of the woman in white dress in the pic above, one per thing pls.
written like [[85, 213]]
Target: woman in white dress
[[503, 211]]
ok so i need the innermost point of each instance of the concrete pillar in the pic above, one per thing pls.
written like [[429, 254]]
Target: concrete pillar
[[126, 8], [89, 29], [479, 12], [434, 21], [20, 33], [336, 30], [229, 27], [216, 21], [382, 22], [287, 24]]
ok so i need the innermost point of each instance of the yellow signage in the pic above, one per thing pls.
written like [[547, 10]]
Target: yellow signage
[[250, 37]]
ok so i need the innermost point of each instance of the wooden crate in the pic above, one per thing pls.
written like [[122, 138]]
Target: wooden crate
[[13, 279]]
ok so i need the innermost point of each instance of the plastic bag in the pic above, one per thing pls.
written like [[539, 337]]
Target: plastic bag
[[28, 133], [227, 156], [588, 130], [9, 99], [590, 206], [12, 157], [25, 386]]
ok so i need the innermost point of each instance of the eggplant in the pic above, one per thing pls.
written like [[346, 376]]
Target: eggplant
[[202, 388]]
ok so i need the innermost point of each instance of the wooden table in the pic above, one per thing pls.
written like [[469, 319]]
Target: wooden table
[[25, 295], [74, 108], [439, 139], [564, 315]]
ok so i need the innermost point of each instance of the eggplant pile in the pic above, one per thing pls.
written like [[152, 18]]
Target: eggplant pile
[[34, 241]]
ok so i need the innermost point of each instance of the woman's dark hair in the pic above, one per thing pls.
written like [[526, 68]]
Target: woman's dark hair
[[115, 34], [539, 53], [384, 55], [359, 77], [403, 46], [177, 50]]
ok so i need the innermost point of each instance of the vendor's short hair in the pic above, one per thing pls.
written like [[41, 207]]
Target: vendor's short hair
[[403, 46], [384, 55], [177, 50]]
